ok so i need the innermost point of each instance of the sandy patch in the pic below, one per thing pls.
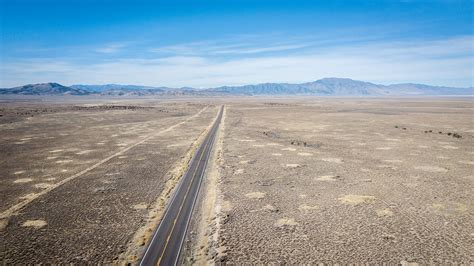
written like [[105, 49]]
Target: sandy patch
[[431, 169], [305, 154], [270, 208], [140, 206], [356, 199], [19, 172], [384, 212], [286, 222], [246, 140], [330, 178], [332, 160], [176, 145], [437, 206], [449, 147], [51, 157], [444, 143], [469, 177], [307, 208], [22, 180], [274, 144], [64, 171], [123, 157], [410, 184], [239, 171], [56, 151], [450, 208], [384, 148], [277, 154], [467, 162], [258, 145], [288, 149], [393, 161], [109, 174], [34, 223], [255, 195], [461, 208], [225, 206], [3, 224], [386, 166], [84, 152], [50, 179], [292, 165], [64, 161]]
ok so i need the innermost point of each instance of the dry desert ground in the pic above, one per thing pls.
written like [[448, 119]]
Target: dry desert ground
[[86, 182], [295, 180], [342, 181]]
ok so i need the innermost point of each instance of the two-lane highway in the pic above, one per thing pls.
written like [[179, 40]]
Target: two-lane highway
[[166, 244]]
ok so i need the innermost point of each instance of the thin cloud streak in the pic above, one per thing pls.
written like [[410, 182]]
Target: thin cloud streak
[[111, 48], [437, 62]]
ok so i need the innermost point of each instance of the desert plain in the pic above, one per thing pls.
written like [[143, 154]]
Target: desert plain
[[291, 180]]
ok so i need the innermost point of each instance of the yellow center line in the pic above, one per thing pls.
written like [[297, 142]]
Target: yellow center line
[[184, 200]]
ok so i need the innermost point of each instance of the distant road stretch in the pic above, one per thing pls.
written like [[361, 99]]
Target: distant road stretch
[[166, 244]]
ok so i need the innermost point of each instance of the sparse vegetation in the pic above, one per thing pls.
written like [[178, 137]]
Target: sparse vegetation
[[350, 183], [63, 151]]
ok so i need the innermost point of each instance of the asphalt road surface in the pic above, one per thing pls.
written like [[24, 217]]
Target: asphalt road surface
[[165, 246]]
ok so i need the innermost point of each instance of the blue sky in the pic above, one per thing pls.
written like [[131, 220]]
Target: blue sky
[[213, 43]]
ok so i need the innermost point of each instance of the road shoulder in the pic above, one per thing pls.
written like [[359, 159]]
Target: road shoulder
[[202, 247]]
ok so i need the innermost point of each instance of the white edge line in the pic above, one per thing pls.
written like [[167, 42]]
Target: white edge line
[[181, 181]]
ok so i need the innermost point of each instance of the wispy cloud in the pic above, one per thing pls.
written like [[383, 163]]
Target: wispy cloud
[[438, 62], [193, 49], [237, 45], [111, 48]]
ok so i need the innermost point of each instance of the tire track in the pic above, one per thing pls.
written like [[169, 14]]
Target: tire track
[[15, 208]]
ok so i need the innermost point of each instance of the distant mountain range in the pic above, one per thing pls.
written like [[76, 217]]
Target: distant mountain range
[[45, 89], [322, 87]]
